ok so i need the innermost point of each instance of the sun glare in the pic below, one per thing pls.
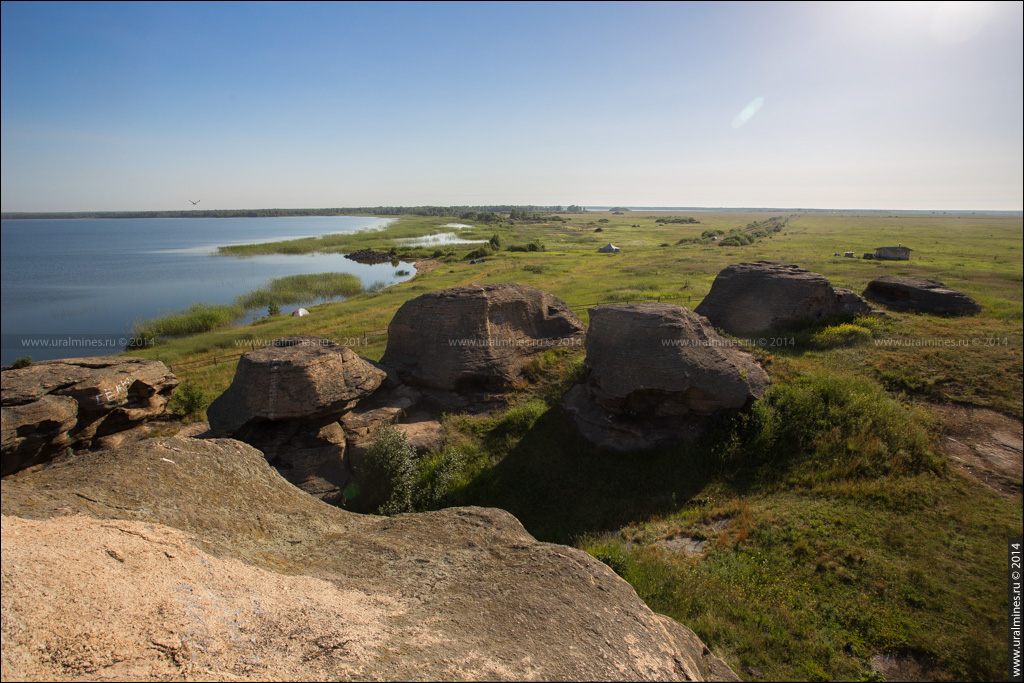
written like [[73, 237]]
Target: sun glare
[[946, 23]]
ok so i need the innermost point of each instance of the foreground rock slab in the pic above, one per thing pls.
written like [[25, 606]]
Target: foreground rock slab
[[182, 558], [919, 294], [77, 403], [747, 298], [656, 371], [477, 336]]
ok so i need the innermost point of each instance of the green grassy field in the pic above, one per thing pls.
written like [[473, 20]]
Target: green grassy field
[[835, 528]]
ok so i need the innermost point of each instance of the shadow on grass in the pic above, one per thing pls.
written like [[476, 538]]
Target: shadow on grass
[[561, 487]]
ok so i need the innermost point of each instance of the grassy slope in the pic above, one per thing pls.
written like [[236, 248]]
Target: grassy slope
[[905, 560]]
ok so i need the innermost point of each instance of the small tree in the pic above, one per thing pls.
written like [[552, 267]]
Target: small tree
[[495, 242], [189, 401], [390, 470], [273, 309]]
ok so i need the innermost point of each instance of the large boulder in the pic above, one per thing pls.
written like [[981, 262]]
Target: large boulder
[[180, 558], [476, 336], [295, 377], [76, 403], [656, 372], [286, 399], [919, 294], [747, 298]]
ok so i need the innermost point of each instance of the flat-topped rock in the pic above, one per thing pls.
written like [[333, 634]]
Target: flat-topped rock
[[184, 558], [747, 298], [477, 336], [54, 405], [296, 377], [919, 294], [656, 371], [286, 400]]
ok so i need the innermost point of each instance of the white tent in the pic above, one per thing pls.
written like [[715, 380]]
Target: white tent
[[299, 312], [609, 249]]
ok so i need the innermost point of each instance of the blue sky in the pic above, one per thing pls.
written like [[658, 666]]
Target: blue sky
[[898, 105]]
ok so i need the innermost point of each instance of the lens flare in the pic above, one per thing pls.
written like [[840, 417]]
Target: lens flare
[[748, 112]]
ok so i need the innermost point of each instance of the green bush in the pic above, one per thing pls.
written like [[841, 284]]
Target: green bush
[[437, 476], [478, 253], [835, 336], [830, 427], [189, 401], [389, 472], [23, 362]]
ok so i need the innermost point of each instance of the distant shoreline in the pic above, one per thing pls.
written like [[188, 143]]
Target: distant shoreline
[[369, 211]]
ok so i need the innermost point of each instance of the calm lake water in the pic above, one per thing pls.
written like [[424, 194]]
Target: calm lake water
[[97, 277]]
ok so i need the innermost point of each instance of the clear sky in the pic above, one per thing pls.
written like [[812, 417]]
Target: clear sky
[[897, 105]]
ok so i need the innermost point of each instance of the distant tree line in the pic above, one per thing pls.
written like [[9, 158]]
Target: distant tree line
[[677, 219], [486, 214]]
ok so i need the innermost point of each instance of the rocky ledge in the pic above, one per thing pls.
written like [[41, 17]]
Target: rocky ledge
[[181, 558], [51, 406]]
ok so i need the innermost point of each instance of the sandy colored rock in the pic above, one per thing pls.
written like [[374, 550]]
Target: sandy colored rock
[[463, 593], [747, 298], [919, 294], [656, 371], [477, 336], [52, 405], [135, 601]]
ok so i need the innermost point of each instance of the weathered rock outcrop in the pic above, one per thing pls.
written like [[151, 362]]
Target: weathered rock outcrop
[[79, 403], [286, 400], [747, 298], [208, 565], [656, 371], [296, 377], [919, 294], [477, 336]]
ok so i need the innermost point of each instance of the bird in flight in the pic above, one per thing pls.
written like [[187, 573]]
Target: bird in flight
[[195, 202]]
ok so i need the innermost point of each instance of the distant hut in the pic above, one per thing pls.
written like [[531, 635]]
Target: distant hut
[[299, 312], [899, 253], [849, 254], [609, 249]]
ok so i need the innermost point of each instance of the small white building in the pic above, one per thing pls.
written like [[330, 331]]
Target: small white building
[[609, 249]]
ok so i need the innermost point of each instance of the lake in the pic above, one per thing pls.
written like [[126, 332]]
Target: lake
[[93, 278]]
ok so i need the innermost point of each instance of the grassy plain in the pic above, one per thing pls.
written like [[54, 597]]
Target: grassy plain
[[835, 528]]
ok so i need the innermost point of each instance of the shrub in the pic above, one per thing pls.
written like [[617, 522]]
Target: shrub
[[23, 362], [835, 336], [389, 472], [273, 309], [189, 401], [833, 427], [532, 246], [437, 476], [478, 253]]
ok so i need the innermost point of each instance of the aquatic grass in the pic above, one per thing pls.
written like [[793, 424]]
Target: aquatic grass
[[292, 289], [301, 289]]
